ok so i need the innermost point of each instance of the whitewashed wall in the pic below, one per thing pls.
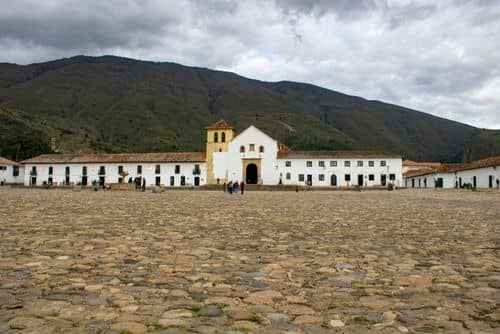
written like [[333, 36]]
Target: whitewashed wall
[[252, 135], [8, 175], [482, 176], [148, 172], [299, 166]]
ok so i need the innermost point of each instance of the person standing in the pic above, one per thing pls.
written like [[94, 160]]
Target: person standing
[[143, 184], [242, 186], [224, 186], [235, 187]]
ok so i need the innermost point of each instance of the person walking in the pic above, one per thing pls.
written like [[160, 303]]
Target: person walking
[[224, 186], [230, 187], [242, 186], [235, 187]]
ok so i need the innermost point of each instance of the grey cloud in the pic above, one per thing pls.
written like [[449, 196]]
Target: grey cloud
[[439, 57]]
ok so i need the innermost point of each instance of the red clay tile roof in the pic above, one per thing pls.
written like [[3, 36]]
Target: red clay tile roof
[[220, 124], [451, 168], [4, 161], [335, 154], [124, 157], [411, 163]]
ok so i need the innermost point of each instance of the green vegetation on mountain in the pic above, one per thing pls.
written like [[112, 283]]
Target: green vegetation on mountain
[[111, 104]]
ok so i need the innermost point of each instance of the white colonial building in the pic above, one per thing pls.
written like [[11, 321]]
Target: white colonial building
[[251, 156], [483, 173], [11, 172]]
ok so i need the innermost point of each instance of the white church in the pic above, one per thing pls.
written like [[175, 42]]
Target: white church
[[251, 156]]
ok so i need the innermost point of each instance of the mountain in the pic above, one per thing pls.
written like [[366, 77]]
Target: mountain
[[114, 104]]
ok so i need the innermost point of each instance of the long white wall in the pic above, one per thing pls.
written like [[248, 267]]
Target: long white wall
[[7, 174], [452, 180], [167, 171], [300, 167]]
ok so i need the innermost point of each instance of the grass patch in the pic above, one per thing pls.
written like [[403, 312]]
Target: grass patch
[[195, 310], [361, 319], [255, 318]]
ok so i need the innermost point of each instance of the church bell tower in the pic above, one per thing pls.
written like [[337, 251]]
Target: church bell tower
[[219, 135]]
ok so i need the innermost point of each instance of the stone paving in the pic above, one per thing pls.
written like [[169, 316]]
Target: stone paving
[[266, 262]]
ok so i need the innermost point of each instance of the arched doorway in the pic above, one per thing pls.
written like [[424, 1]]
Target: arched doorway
[[333, 180], [252, 174]]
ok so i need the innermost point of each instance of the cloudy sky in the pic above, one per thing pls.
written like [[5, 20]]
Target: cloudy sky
[[441, 57]]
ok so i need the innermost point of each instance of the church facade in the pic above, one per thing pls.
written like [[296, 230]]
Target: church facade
[[251, 156]]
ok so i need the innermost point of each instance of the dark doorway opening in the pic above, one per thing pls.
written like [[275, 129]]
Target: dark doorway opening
[[439, 182], [33, 180], [474, 182], [383, 179], [360, 180], [183, 180], [197, 181], [333, 180], [158, 181], [252, 174], [84, 180], [309, 180], [172, 181], [102, 180], [490, 184]]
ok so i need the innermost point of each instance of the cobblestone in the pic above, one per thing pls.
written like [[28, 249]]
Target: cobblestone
[[265, 262]]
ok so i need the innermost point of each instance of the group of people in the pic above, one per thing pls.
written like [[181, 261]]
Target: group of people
[[233, 187], [137, 182]]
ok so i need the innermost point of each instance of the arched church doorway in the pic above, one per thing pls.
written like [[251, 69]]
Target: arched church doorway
[[251, 174]]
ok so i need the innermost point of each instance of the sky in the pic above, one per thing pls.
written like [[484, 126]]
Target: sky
[[441, 57]]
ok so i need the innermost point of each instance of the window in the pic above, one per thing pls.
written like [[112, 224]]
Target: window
[[261, 149], [15, 170], [252, 147], [177, 169], [321, 163], [33, 170], [183, 180], [139, 169], [288, 164], [383, 163], [347, 163], [223, 137], [371, 163], [157, 169], [216, 137], [196, 170], [392, 177], [242, 149], [301, 177], [321, 177], [102, 170], [371, 177], [3, 167], [347, 177], [120, 170], [309, 163], [360, 163], [333, 163], [51, 170], [288, 176], [84, 170], [66, 172]]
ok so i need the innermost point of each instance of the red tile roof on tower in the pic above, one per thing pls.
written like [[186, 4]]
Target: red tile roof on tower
[[220, 124], [4, 161]]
